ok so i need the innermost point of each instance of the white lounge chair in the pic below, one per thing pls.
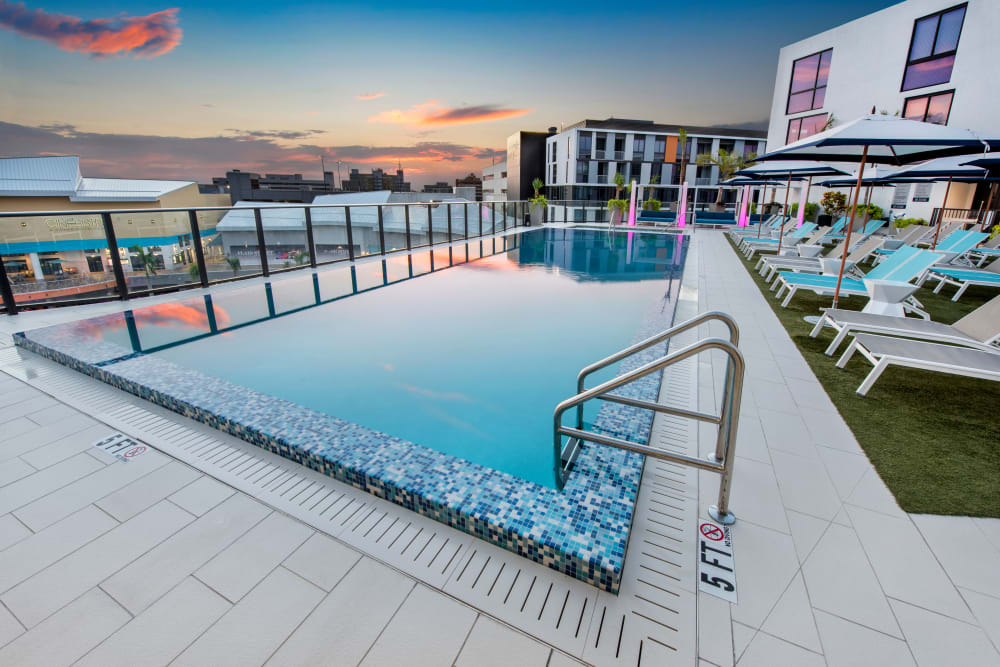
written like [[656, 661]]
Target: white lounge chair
[[885, 351], [750, 246], [773, 265], [963, 278], [979, 329]]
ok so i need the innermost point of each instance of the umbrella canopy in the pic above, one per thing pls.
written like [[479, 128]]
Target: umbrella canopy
[[873, 175], [889, 140], [990, 164], [954, 166], [782, 168], [743, 180]]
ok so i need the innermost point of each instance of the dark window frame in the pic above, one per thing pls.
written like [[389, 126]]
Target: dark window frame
[[929, 96], [801, 118], [791, 80], [933, 56]]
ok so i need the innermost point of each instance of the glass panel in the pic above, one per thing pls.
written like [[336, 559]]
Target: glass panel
[[56, 258], [364, 230], [439, 220], [234, 248], [793, 130], [824, 67], [804, 73], [285, 236], [928, 73], [394, 224], [800, 102], [923, 37], [949, 30], [937, 110], [812, 125], [154, 248], [915, 108], [329, 233], [819, 98]]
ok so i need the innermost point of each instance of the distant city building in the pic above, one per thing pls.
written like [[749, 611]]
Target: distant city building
[[495, 182], [250, 186], [466, 192], [525, 162], [66, 256], [375, 181], [582, 160], [927, 60], [441, 187], [471, 181]]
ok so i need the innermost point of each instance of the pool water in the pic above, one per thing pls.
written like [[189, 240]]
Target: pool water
[[469, 357]]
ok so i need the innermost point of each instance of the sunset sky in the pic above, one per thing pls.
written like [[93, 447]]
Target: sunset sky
[[158, 90]]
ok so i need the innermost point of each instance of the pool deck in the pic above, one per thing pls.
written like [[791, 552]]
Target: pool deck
[[156, 561]]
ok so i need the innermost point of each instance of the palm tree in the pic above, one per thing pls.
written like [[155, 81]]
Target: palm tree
[[653, 180], [728, 164], [148, 261], [234, 264], [538, 184]]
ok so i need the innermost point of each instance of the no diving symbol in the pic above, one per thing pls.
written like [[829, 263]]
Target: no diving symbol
[[711, 532], [135, 451]]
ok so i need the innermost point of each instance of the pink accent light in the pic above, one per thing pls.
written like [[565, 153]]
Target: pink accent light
[[682, 205]]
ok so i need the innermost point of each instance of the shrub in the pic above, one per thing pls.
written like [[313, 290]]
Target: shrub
[[652, 205], [812, 208], [834, 203], [874, 212], [906, 222], [618, 205]]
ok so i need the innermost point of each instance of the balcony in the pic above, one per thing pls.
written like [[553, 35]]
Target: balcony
[[619, 155]]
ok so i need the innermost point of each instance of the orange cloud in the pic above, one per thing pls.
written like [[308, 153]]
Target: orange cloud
[[431, 113], [137, 36], [371, 96]]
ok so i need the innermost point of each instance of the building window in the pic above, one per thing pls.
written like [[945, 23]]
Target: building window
[[554, 151], [619, 146], [808, 87], [655, 172], [800, 128], [602, 145], [584, 147], [749, 148], [659, 149], [704, 147], [932, 48], [602, 172], [639, 146], [582, 171], [728, 145], [929, 108], [553, 179]]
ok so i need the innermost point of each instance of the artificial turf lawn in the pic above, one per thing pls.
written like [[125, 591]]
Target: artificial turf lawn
[[934, 438]]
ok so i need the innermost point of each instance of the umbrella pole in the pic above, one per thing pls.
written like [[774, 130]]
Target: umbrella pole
[[850, 224], [868, 201], [944, 204], [784, 212], [763, 196], [989, 203]]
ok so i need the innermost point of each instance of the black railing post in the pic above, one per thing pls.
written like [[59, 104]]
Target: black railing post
[[465, 217], [381, 230], [116, 258], [9, 304], [430, 226], [449, 221], [213, 325], [493, 217], [565, 213], [261, 247], [479, 214], [199, 252], [350, 234], [310, 240], [503, 209], [406, 216]]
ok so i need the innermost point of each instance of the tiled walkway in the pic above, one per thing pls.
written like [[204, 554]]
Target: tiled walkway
[[150, 562], [829, 567]]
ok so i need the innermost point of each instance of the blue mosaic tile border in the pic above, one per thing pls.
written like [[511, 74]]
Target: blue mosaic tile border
[[581, 531]]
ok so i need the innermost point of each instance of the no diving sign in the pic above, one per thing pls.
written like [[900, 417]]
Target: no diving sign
[[121, 447], [716, 566]]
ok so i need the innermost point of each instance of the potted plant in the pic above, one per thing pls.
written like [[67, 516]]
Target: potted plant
[[652, 204], [728, 164], [539, 202], [618, 206]]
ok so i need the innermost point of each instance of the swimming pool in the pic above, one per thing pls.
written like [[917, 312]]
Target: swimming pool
[[463, 351]]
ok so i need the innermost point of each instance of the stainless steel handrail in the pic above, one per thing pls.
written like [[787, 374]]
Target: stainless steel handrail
[[728, 421], [734, 338]]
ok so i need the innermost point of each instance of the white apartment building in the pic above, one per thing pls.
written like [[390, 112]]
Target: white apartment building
[[930, 60], [581, 161], [495, 182]]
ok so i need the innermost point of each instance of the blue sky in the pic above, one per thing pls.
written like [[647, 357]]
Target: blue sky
[[186, 91]]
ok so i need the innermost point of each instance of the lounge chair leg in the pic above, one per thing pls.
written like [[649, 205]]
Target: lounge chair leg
[[874, 375], [848, 353], [782, 286], [960, 292], [837, 340], [791, 293], [937, 290], [819, 326]]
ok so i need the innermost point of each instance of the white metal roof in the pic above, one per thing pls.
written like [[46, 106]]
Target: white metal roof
[[39, 176], [59, 176]]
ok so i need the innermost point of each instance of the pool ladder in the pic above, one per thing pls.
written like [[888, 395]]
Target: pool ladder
[[728, 421]]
